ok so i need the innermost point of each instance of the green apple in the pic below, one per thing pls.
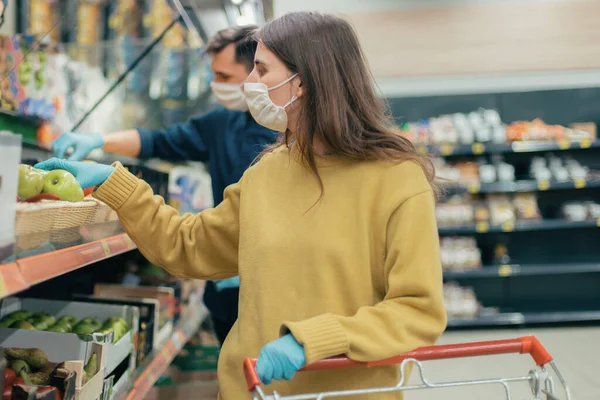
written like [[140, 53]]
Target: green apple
[[31, 182], [63, 184]]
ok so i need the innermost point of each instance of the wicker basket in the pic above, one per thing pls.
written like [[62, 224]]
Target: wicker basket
[[49, 215], [102, 213]]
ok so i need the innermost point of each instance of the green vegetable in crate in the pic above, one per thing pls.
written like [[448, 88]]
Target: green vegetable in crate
[[69, 319], [31, 184], [91, 321], [22, 325], [18, 365], [84, 329], [43, 376], [35, 358], [16, 315], [62, 328], [23, 375], [90, 369]]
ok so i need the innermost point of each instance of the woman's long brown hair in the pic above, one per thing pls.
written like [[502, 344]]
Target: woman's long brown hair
[[339, 106]]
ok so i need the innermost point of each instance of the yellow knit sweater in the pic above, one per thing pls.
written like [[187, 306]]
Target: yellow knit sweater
[[356, 273]]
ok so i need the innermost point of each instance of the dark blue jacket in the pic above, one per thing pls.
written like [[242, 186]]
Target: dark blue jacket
[[228, 141]]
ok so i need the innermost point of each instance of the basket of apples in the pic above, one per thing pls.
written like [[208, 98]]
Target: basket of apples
[[50, 200]]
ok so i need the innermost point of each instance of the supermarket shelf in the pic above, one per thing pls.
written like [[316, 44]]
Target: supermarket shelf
[[525, 186], [519, 226], [515, 147], [509, 270], [26, 272], [522, 319], [157, 363]]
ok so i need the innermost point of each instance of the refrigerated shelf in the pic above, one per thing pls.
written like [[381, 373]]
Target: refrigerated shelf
[[525, 319]]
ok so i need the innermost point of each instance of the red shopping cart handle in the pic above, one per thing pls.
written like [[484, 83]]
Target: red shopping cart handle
[[524, 345]]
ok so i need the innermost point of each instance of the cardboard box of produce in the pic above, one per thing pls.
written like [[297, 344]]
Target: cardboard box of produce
[[164, 314], [32, 373], [89, 379], [70, 329], [148, 311]]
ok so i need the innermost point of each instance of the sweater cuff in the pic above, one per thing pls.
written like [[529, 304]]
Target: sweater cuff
[[146, 143], [321, 336], [117, 188]]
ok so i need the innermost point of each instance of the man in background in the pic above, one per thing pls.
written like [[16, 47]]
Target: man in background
[[227, 139]]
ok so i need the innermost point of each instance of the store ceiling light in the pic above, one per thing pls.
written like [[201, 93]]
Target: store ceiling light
[[237, 2]]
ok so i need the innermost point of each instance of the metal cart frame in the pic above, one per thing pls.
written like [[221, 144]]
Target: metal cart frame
[[540, 381]]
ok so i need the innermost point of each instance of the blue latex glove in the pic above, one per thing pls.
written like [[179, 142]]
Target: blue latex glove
[[280, 359], [87, 174], [228, 283], [81, 144]]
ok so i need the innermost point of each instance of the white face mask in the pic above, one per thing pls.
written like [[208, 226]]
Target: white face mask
[[230, 95], [262, 108]]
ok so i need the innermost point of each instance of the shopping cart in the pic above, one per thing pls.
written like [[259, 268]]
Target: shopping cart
[[540, 380]]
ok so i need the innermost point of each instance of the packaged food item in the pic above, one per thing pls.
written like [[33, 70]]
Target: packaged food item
[[526, 207], [501, 209], [460, 302], [460, 253], [457, 210]]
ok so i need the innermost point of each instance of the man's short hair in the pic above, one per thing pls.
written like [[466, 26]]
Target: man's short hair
[[242, 37]]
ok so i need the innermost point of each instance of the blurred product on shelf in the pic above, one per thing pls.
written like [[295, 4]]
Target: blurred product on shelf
[[457, 210], [496, 209], [581, 210], [460, 253], [459, 173], [560, 169], [477, 126], [190, 188], [537, 130], [460, 302], [28, 65], [485, 126]]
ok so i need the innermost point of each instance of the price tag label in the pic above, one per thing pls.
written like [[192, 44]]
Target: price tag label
[[580, 183], [473, 187], [543, 185], [508, 226], [482, 226], [585, 143], [3, 289], [478, 148], [446, 149], [105, 248], [505, 270], [564, 144]]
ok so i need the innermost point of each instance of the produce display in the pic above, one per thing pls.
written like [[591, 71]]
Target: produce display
[[31, 367], [41, 321], [53, 185]]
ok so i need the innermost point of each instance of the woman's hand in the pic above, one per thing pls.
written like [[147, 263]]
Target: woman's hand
[[280, 359], [87, 174]]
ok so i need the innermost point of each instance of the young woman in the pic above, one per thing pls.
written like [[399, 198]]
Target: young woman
[[332, 232]]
